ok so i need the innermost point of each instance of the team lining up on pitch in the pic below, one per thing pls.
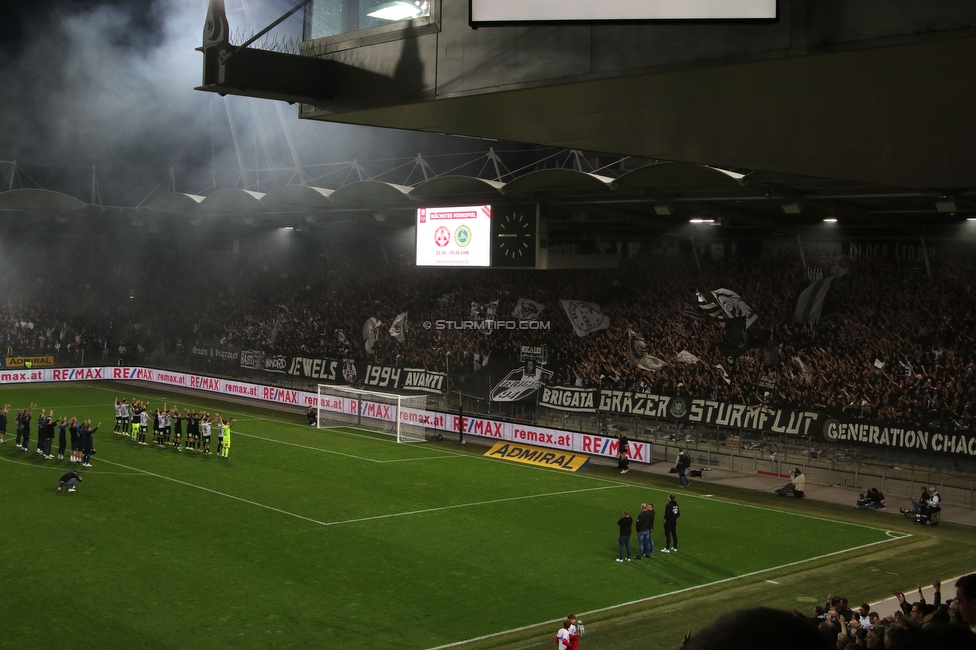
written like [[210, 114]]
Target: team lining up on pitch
[[132, 420], [81, 432]]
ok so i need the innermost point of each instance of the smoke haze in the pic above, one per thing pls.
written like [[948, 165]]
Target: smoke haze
[[110, 84]]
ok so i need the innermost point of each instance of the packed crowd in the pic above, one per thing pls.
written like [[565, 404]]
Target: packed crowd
[[914, 625], [891, 345]]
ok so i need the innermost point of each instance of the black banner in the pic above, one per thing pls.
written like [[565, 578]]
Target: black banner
[[713, 412], [577, 400], [214, 352], [425, 381], [252, 359], [415, 379], [340, 371], [885, 436], [276, 363], [506, 381], [767, 383]]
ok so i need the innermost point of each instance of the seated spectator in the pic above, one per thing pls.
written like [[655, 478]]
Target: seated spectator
[[795, 486], [929, 513], [917, 505], [874, 499]]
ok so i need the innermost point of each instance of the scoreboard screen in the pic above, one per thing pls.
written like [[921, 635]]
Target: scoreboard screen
[[527, 11], [458, 236]]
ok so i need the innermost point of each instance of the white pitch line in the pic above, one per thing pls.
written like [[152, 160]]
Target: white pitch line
[[295, 444], [62, 468], [660, 596], [795, 514], [359, 519]]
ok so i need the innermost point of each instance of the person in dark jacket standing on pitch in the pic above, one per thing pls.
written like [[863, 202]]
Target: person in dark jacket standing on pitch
[[88, 442], [626, 525], [671, 514], [25, 421], [645, 530], [3, 421]]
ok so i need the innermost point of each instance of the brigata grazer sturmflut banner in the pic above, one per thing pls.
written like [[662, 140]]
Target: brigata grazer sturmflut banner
[[712, 412], [738, 417]]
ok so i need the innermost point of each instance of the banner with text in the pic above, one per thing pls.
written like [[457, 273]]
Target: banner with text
[[576, 400], [868, 433]]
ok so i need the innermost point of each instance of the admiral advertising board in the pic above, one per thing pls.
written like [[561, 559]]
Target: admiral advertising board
[[458, 236]]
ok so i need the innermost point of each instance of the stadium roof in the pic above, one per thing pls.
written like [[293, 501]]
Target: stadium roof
[[615, 201]]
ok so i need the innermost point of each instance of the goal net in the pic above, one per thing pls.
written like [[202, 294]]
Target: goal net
[[399, 415]]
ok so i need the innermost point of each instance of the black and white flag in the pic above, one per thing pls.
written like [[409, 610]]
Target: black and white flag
[[694, 312], [638, 354], [734, 306], [399, 328], [527, 310], [586, 317], [369, 333], [484, 315]]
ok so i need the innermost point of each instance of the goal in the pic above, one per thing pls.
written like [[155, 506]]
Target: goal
[[389, 413]]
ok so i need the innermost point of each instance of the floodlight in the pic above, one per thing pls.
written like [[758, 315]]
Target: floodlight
[[395, 11]]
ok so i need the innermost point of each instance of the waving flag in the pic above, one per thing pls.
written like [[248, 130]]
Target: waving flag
[[586, 317], [527, 310], [369, 333], [399, 328], [810, 303]]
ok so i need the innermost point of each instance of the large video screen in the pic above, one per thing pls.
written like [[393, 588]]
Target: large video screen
[[454, 236], [522, 11]]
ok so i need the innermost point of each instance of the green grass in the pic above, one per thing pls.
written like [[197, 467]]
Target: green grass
[[344, 539]]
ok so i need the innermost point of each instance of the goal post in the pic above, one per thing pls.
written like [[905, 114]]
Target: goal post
[[388, 413]]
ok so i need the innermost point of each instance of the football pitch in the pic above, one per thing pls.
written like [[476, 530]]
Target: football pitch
[[341, 538]]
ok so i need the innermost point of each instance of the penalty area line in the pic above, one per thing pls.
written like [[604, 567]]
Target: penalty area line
[[336, 453], [359, 519]]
